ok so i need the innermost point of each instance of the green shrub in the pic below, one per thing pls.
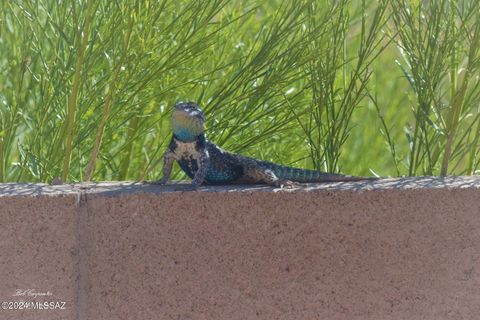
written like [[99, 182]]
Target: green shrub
[[390, 87]]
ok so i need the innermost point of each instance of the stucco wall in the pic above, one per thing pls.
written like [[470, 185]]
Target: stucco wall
[[391, 249]]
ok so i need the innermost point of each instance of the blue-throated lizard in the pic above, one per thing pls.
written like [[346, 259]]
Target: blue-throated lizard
[[206, 163]]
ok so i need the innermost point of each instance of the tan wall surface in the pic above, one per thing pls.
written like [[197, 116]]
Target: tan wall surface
[[37, 255], [392, 249]]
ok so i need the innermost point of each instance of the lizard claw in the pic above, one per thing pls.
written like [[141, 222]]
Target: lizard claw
[[158, 182], [285, 184], [189, 187]]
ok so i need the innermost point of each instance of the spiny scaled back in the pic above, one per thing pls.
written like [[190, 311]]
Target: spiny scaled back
[[206, 163]]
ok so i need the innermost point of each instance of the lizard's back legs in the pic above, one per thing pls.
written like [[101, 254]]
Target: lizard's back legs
[[256, 174]]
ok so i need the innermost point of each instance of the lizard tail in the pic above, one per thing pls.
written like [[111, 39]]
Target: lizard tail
[[304, 175]]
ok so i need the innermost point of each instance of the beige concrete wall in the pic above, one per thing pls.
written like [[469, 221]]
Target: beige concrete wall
[[392, 249]]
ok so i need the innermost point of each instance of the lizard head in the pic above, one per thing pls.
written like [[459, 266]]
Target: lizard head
[[188, 121]]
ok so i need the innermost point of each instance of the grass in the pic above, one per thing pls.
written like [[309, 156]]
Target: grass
[[384, 87]]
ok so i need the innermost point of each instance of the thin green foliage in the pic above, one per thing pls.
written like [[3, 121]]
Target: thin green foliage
[[339, 75], [439, 45], [86, 87]]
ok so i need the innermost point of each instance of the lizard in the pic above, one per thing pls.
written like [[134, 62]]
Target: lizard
[[206, 163]]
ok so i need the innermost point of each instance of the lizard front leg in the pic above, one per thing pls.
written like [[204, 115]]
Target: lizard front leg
[[168, 159], [202, 161]]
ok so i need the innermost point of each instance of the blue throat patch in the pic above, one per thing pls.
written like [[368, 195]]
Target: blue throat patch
[[185, 127], [185, 134]]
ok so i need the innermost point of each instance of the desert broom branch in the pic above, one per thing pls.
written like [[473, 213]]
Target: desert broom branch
[[72, 98]]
